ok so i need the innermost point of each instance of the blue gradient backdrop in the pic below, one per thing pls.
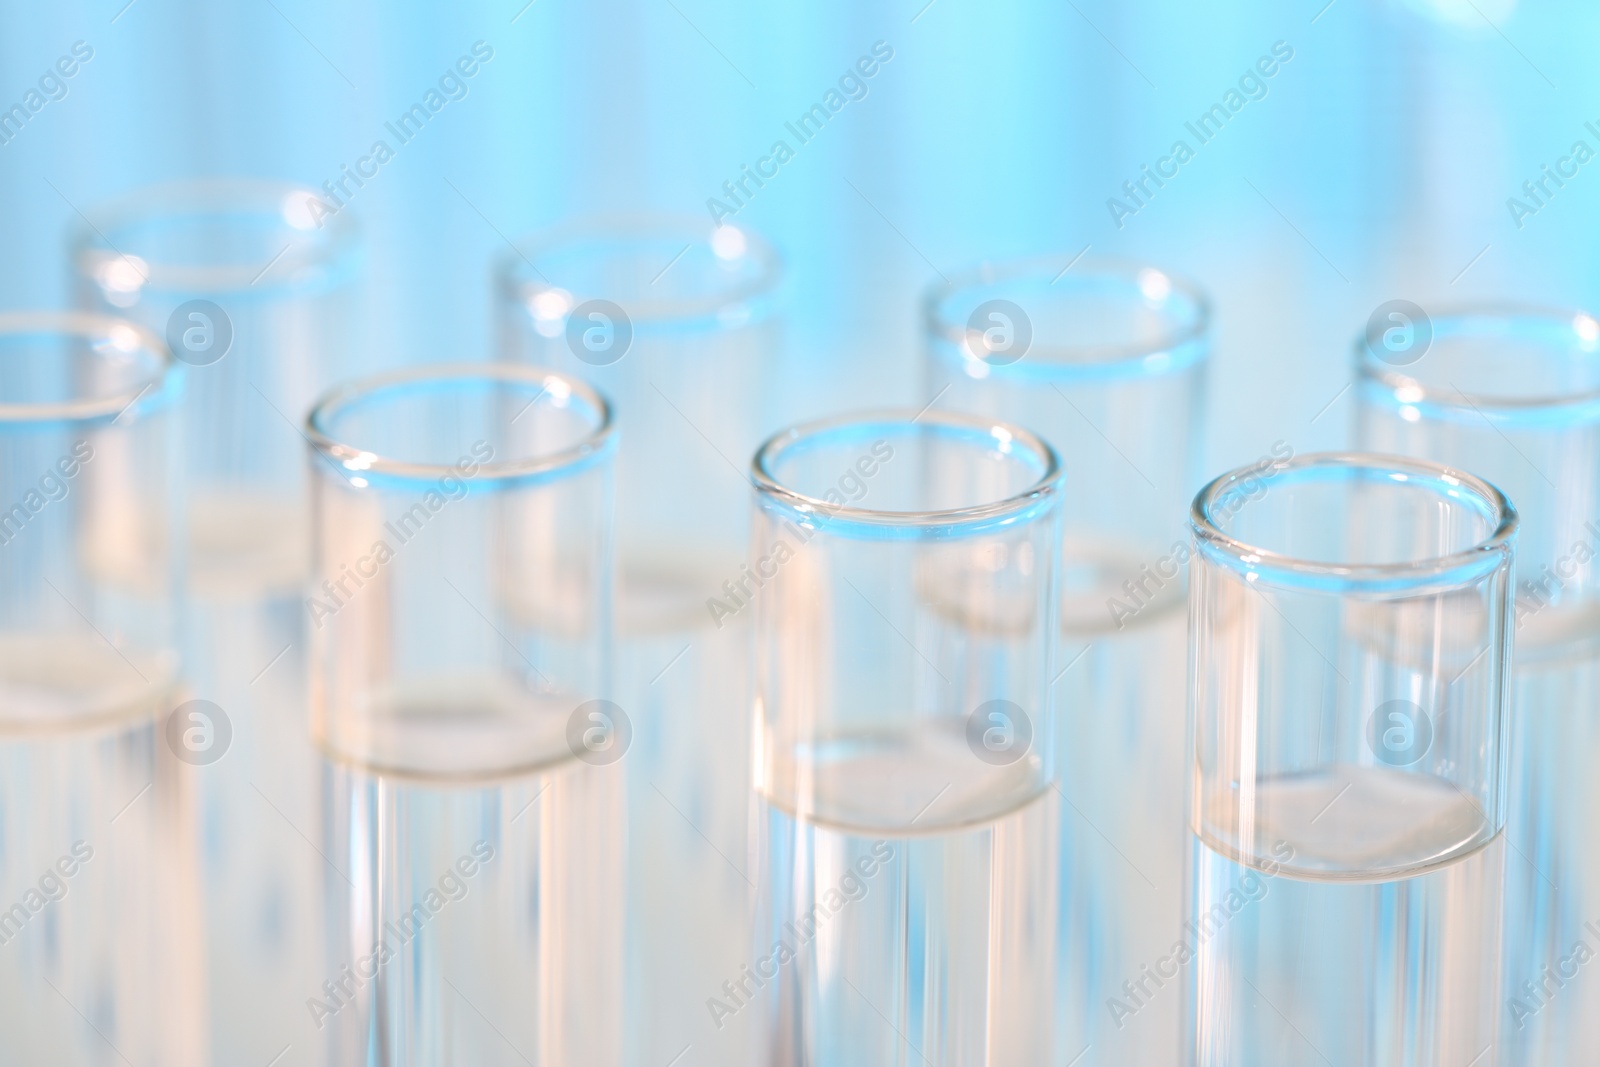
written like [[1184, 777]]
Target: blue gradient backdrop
[[1377, 166]]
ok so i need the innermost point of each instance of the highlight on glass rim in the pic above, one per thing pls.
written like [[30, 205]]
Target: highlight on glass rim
[[687, 534]]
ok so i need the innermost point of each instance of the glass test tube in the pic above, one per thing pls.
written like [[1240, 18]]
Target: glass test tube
[[1350, 628], [904, 755], [673, 319], [251, 289], [460, 686], [97, 836], [1107, 361], [1514, 395]]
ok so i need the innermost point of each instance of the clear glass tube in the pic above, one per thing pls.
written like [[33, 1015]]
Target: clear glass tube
[[672, 319], [254, 294], [675, 320], [460, 670], [463, 567], [1350, 628], [904, 751], [1107, 361], [98, 892], [253, 291], [89, 625], [1513, 394]]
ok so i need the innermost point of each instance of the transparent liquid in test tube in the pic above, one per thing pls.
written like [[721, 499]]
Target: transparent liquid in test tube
[[944, 851], [1285, 954], [1291, 970]]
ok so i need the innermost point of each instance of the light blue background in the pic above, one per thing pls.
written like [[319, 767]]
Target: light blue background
[[1378, 166]]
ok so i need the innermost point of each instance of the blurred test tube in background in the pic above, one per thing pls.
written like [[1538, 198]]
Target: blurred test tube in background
[[252, 290], [1350, 643], [674, 320], [1107, 362], [100, 957], [473, 804], [904, 753], [1513, 394]]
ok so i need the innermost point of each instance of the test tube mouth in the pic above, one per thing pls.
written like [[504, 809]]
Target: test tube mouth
[[1092, 321], [1476, 524], [822, 472], [217, 235], [1520, 365], [121, 370], [370, 428], [666, 272]]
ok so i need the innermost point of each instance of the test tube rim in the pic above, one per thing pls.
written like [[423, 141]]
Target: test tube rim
[[1276, 569], [1406, 389], [334, 253], [740, 305], [166, 373], [1176, 351], [598, 443], [1045, 492]]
